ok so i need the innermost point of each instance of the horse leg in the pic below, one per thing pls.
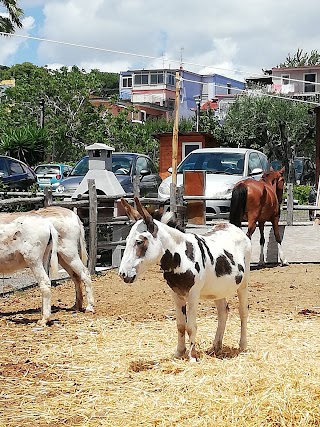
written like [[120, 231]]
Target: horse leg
[[275, 226], [222, 310], [262, 242], [251, 226], [181, 316]]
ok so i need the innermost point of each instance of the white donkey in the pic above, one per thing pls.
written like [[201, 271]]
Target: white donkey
[[212, 266], [30, 241], [71, 242]]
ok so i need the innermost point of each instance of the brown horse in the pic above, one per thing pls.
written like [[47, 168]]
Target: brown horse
[[258, 202]]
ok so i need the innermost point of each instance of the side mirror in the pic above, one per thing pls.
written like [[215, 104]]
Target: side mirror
[[256, 171], [170, 169], [144, 172]]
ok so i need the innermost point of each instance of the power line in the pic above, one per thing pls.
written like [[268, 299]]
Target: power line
[[159, 58]]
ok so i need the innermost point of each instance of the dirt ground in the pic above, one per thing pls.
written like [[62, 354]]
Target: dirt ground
[[290, 290], [115, 367]]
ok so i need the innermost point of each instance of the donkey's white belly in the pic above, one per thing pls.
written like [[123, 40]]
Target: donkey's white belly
[[219, 287]]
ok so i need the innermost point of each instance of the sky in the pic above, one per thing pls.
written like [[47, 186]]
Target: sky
[[235, 38]]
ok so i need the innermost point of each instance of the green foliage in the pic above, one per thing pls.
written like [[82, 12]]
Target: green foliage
[[300, 59], [15, 14], [279, 127], [70, 120], [300, 193], [24, 143], [210, 123]]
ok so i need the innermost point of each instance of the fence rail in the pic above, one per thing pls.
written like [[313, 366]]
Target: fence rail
[[100, 210]]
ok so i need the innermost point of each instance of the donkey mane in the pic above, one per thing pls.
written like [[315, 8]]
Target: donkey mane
[[170, 219]]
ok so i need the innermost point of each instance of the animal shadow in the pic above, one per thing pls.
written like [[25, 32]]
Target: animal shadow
[[226, 352], [17, 316]]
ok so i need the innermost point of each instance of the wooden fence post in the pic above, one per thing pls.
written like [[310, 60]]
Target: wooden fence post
[[136, 185], [290, 204], [48, 199], [93, 220]]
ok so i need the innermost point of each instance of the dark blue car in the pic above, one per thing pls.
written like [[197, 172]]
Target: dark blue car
[[124, 166], [16, 175]]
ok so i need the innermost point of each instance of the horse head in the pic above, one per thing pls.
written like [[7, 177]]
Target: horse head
[[276, 180]]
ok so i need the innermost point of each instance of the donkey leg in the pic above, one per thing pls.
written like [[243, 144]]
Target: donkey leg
[[222, 310], [262, 242], [45, 288], [275, 226], [243, 311], [181, 316], [191, 326]]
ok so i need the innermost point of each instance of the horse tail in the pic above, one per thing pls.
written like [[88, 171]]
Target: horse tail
[[238, 204]]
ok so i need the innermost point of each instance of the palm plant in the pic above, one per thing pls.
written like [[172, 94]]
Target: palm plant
[[12, 18]]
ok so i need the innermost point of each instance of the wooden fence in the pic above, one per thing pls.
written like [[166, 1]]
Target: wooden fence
[[95, 211], [99, 210]]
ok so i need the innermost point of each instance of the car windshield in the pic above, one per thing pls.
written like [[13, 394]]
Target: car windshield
[[44, 169], [121, 165], [219, 162], [298, 165]]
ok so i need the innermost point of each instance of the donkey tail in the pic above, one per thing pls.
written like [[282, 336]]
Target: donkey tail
[[82, 242], [238, 204]]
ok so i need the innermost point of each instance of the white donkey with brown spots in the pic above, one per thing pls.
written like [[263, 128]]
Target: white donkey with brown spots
[[215, 266]]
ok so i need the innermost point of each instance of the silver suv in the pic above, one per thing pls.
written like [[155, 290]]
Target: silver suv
[[224, 168]]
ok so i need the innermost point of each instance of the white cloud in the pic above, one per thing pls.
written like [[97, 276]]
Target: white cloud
[[209, 35]]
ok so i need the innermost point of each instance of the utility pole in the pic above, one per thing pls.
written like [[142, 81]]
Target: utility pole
[[41, 103], [175, 135]]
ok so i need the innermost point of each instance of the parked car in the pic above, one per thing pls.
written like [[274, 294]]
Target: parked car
[[224, 168], [51, 174], [15, 174], [304, 168], [124, 166]]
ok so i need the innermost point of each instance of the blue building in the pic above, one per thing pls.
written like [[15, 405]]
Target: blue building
[[153, 91]]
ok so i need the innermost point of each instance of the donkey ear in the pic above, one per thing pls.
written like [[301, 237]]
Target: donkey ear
[[145, 215], [271, 169], [132, 213], [282, 170]]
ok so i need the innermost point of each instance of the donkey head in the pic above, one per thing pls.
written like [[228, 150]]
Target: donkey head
[[143, 246]]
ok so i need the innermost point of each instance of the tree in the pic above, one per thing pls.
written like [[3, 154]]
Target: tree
[[282, 128], [210, 123], [300, 59], [71, 121], [15, 14]]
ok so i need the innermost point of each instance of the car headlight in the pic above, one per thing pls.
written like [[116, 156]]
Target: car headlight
[[60, 189], [225, 192], [164, 189]]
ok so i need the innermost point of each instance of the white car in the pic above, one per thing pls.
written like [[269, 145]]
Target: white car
[[224, 168]]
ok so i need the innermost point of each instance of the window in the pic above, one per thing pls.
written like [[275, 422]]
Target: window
[[254, 162], [229, 88], [15, 167], [170, 80], [156, 78], [264, 162], [151, 167], [3, 167], [309, 79], [126, 81], [187, 147], [141, 79], [141, 164], [285, 79]]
